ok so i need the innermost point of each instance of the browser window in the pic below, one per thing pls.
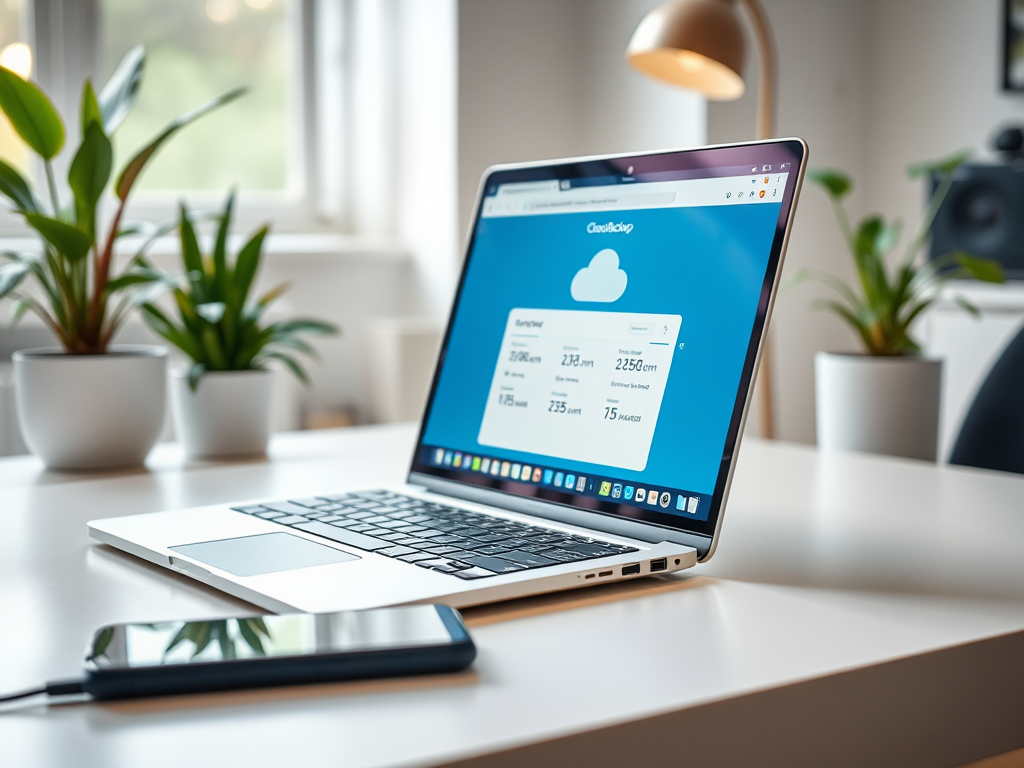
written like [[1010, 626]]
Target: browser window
[[600, 337]]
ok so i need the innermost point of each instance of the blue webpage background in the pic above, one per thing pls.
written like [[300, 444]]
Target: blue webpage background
[[706, 264]]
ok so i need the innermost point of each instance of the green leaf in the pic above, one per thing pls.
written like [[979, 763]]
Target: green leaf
[[220, 269], [18, 310], [251, 638], [195, 373], [139, 277], [246, 264], [89, 174], [101, 643], [214, 351], [90, 107], [119, 93], [306, 325], [980, 269], [211, 311], [69, 240], [14, 186], [867, 235], [134, 167], [836, 183], [11, 276], [190, 252], [31, 114], [944, 165], [965, 305], [888, 237], [291, 363]]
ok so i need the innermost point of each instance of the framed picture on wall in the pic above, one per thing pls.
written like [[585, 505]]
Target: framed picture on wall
[[1013, 45]]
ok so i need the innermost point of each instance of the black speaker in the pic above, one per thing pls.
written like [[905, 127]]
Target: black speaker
[[983, 214]]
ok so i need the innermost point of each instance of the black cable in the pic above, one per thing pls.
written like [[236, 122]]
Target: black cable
[[53, 688]]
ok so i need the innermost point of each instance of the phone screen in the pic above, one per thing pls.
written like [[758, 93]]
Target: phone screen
[[187, 642]]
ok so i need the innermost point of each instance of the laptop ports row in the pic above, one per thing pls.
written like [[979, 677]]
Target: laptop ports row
[[659, 565]]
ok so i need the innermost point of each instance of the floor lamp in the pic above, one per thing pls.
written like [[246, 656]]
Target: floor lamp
[[699, 44]]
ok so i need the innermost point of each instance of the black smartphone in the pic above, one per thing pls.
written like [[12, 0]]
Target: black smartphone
[[135, 660]]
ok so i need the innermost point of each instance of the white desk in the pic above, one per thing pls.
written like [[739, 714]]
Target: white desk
[[860, 611]]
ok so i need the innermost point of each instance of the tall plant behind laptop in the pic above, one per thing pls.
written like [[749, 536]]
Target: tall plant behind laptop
[[80, 295], [888, 399], [222, 400]]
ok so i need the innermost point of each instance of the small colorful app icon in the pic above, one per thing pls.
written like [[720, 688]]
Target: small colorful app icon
[[457, 461], [691, 506], [765, 179], [524, 475], [570, 481], [666, 499], [617, 491], [439, 456], [761, 193], [515, 471], [537, 474], [495, 467], [605, 489], [549, 475], [627, 492], [505, 467], [641, 494], [581, 484], [681, 503], [652, 498], [485, 465], [447, 458], [476, 463], [558, 479]]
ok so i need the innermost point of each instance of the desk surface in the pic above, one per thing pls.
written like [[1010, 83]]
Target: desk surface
[[831, 568]]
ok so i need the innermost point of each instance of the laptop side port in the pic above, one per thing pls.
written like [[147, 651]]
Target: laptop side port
[[659, 565], [631, 570], [605, 573]]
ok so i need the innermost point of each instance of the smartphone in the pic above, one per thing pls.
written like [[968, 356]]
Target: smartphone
[[135, 660]]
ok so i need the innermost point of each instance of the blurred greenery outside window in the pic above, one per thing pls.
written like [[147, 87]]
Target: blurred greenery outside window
[[196, 50]]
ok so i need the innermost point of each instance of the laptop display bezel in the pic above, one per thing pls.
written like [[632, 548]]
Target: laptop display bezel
[[709, 161]]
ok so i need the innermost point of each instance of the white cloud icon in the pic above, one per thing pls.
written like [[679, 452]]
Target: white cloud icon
[[602, 280]]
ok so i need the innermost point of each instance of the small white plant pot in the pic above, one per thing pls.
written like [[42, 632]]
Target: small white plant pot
[[82, 412], [875, 404], [228, 414]]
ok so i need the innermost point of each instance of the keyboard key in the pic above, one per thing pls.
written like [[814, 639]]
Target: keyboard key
[[325, 518], [490, 538], [440, 549], [391, 523], [412, 541], [450, 539], [410, 528], [590, 550], [385, 510], [492, 564], [429, 533], [252, 509], [565, 555], [493, 549], [376, 519], [434, 561], [269, 514], [450, 568], [344, 536], [528, 559], [392, 536], [290, 519], [287, 507], [361, 527], [416, 557], [396, 551], [312, 503], [473, 573]]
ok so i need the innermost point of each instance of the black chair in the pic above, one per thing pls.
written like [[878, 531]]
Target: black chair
[[992, 435]]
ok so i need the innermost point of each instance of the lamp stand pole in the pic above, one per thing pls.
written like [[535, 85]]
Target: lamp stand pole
[[765, 130]]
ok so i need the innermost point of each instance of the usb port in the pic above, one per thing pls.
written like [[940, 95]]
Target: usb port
[[631, 570], [659, 565], [605, 573]]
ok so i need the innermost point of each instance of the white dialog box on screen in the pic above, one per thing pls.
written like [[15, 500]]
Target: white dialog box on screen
[[584, 386]]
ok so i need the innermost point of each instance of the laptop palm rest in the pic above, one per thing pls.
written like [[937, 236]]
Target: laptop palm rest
[[265, 553]]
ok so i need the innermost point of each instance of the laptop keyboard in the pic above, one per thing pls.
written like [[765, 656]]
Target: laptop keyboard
[[449, 540]]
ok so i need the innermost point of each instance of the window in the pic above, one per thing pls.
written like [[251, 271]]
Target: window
[[198, 49]]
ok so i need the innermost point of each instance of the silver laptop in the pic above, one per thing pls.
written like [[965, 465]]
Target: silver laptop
[[586, 407]]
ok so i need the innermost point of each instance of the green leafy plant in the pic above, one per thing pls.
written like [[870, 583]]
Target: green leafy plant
[[886, 300], [218, 327], [83, 303]]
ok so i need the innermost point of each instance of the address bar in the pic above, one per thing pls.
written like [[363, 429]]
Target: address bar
[[616, 201]]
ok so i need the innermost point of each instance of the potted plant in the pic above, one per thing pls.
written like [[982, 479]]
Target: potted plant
[[886, 399], [222, 400], [88, 403]]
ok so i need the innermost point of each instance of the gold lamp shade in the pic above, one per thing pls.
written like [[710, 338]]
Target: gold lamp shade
[[697, 44]]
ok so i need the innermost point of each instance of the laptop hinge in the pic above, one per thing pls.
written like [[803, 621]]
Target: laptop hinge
[[615, 526]]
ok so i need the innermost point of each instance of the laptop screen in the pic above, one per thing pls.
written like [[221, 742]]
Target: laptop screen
[[601, 345]]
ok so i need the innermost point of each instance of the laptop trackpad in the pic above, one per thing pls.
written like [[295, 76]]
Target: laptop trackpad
[[265, 553]]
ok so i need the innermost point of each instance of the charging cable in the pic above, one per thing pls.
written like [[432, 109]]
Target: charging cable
[[53, 688]]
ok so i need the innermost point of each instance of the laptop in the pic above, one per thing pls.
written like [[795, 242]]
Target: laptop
[[586, 407]]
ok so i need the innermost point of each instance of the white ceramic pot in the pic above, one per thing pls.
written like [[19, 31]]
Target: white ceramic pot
[[228, 414], [878, 404], [91, 411]]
